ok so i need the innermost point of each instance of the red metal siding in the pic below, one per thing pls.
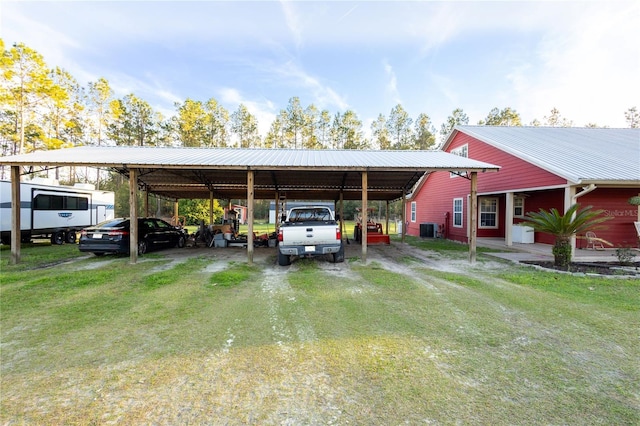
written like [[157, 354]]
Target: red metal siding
[[434, 200], [619, 230], [544, 200], [434, 203], [514, 172]]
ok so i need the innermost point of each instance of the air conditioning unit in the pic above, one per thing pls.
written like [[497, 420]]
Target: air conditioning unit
[[428, 230]]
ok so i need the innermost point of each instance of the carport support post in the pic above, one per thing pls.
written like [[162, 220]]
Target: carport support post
[[342, 214], [176, 208], [15, 215], [210, 208], [473, 223], [133, 215], [250, 216], [386, 214], [277, 206], [365, 219], [404, 214]]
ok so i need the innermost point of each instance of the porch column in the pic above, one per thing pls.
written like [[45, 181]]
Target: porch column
[[508, 219], [569, 199], [365, 219], [250, 177], [133, 215], [15, 215], [176, 210], [473, 218]]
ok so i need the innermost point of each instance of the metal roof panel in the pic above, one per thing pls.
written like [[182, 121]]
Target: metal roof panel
[[248, 158], [577, 154]]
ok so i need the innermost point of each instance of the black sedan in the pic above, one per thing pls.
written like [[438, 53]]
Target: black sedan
[[112, 236]]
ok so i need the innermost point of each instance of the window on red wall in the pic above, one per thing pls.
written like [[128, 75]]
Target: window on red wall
[[518, 207], [457, 212], [488, 212], [413, 211]]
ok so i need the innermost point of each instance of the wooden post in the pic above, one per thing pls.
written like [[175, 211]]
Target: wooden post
[[210, 207], [342, 214], [473, 216], [250, 178], [133, 215], [16, 237], [386, 214], [276, 223], [146, 202], [404, 214], [365, 184], [176, 210]]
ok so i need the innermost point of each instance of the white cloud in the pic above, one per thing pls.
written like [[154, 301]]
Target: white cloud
[[323, 96], [584, 67], [293, 20], [392, 85]]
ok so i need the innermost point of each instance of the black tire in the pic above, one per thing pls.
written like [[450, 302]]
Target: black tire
[[181, 241], [70, 237], [142, 246], [58, 238], [339, 256], [98, 254], [283, 259]]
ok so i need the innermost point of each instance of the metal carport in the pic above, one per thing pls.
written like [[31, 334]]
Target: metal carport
[[250, 174]]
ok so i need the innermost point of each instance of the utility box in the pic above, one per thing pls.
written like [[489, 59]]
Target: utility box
[[522, 234], [428, 230]]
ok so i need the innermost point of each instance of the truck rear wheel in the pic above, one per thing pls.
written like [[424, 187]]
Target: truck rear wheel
[[339, 256], [57, 238], [283, 259], [71, 237]]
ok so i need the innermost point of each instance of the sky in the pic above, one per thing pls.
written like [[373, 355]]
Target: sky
[[581, 57]]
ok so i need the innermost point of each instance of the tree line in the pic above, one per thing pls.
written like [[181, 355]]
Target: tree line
[[44, 108]]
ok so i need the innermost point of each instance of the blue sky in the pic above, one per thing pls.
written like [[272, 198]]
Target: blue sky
[[582, 58]]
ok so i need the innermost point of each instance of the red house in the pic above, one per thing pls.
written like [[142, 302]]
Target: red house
[[541, 168]]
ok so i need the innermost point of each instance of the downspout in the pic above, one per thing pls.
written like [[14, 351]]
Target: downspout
[[592, 187]]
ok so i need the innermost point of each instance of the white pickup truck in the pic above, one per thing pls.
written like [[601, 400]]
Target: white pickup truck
[[309, 231]]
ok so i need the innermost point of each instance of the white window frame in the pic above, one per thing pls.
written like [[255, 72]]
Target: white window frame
[[518, 203], [414, 209], [462, 151], [458, 212], [481, 205]]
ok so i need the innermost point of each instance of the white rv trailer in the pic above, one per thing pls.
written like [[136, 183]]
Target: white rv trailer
[[50, 210]]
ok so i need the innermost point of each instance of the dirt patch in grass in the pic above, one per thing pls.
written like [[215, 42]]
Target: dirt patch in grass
[[593, 268], [196, 336]]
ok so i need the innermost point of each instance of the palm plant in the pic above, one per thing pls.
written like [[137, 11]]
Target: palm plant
[[575, 221]]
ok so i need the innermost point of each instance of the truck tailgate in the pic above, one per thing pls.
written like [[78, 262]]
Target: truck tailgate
[[309, 234]]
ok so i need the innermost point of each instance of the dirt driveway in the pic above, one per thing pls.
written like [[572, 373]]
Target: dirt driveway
[[410, 338]]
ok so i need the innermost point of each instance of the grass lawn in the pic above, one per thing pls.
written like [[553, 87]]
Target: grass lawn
[[206, 339]]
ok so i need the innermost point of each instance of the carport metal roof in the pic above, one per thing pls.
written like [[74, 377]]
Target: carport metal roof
[[300, 174]]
